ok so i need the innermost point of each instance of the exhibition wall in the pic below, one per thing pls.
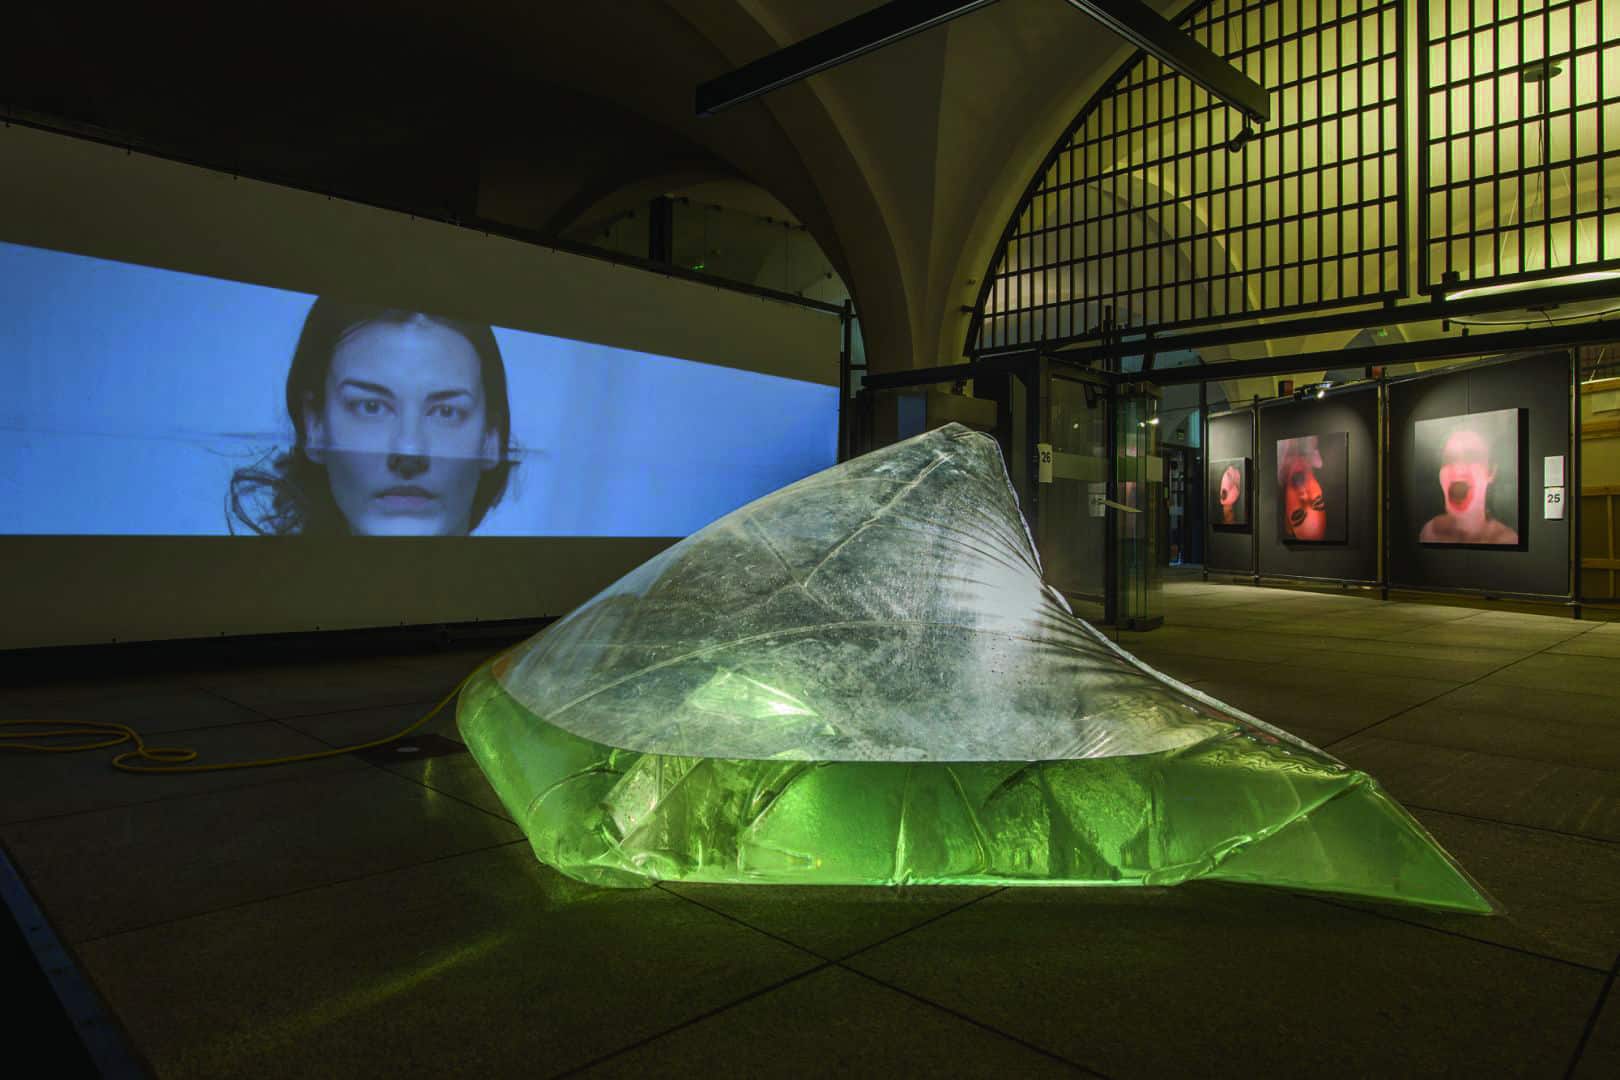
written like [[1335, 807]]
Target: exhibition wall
[[1476, 442], [1229, 463], [1322, 452], [1477, 464], [153, 312]]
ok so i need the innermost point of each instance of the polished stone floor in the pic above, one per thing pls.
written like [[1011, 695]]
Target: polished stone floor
[[355, 917]]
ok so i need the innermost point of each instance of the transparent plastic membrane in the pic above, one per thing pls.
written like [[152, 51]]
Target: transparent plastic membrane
[[862, 679]]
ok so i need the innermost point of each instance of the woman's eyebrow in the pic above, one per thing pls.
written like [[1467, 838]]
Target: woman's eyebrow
[[373, 388], [440, 395]]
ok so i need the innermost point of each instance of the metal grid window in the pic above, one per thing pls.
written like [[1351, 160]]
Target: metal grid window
[[1520, 169], [1142, 210]]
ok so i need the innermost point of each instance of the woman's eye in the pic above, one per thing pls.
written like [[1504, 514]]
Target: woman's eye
[[448, 412], [368, 407]]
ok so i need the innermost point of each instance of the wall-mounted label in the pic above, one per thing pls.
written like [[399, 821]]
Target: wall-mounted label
[[1552, 470], [1552, 503], [1044, 461]]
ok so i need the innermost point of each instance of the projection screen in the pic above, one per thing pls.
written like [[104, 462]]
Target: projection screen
[[236, 408], [147, 402]]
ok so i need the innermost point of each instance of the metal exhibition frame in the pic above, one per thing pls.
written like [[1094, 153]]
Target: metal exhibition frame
[[1386, 488], [1491, 135], [1571, 597], [1146, 218], [1133, 234], [1154, 178], [1382, 449]]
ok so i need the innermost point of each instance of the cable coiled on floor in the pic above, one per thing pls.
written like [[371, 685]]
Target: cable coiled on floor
[[173, 759]]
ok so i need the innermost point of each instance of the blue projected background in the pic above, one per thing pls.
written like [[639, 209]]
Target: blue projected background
[[134, 394]]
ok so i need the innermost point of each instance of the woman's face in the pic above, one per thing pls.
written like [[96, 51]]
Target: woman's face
[[402, 432], [1465, 472], [1303, 506], [1231, 486]]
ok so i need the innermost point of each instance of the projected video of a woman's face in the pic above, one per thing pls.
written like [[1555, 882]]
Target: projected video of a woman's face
[[400, 427], [159, 403]]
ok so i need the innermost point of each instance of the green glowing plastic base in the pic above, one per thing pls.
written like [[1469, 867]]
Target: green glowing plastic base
[[1244, 807]]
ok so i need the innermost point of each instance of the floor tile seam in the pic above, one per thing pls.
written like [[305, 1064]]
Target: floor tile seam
[[277, 897], [1513, 824], [1592, 624], [1224, 659], [1559, 650], [221, 682], [1592, 1019], [1415, 636], [406, 663], [177, 690], [1437, 697], [1474, 750], [739, 920], [355, 766], [358, 708], [350, 747], [966, 1018], [214, 693], [1457, 934], [344, 711], [443, 794], [80, 687], [1163, 661], [691, 1021], [147, 736], [963, 906], [1533, 620], [663, 887]]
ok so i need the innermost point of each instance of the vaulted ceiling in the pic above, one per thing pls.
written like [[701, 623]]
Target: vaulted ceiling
[[904, 164]]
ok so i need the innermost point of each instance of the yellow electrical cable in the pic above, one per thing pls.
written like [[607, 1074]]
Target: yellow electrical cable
[[180, 754]]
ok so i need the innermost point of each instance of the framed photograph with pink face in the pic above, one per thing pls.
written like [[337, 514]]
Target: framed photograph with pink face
[[1466, 475], [1313, 488], [1229, 493]]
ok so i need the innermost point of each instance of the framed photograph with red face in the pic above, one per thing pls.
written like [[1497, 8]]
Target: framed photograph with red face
[[1466, 475], [1229, 493], [1313, 488]]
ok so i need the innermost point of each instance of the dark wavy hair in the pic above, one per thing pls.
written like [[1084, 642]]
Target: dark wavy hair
[[285, 493]]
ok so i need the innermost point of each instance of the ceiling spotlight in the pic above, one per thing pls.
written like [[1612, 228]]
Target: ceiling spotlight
[[1316, 390]]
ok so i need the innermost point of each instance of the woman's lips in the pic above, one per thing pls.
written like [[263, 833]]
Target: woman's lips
[[406, 500], [1457, 493]]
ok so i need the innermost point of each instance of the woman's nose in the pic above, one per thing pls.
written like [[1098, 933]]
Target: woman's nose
[[409, 439], [407, 466], [408, 456]]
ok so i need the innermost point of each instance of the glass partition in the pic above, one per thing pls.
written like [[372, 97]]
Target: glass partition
[[1141, 515], [1071, 528]]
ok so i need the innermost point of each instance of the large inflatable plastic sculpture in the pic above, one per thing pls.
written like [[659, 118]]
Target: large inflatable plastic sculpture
[[862, 679]]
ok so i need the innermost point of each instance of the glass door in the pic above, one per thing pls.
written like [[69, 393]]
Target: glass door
[[1072, 525]]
